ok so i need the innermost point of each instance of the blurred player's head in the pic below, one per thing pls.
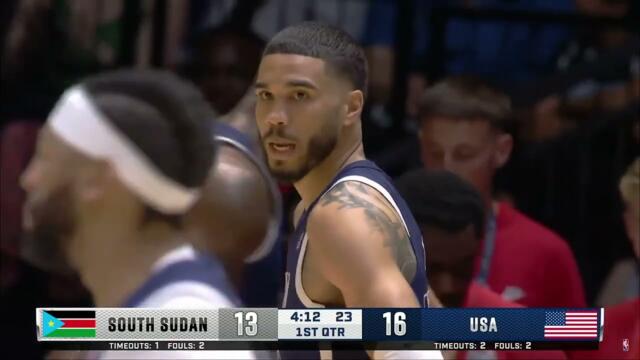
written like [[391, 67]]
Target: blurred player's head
[[450, 213], [220, 222], [463, 130], [226, 61], [630, 190], [310, 87], [121, 150]]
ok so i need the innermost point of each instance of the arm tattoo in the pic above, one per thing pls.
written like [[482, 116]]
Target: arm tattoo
[[356, 195]]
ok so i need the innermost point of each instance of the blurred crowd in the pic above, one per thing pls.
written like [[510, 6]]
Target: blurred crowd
[[531, 106]]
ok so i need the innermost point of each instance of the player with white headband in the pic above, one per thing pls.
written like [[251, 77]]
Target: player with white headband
[[121, 159]]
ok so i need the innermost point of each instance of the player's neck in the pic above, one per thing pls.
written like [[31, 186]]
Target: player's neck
[[115, 275], [312, 185]]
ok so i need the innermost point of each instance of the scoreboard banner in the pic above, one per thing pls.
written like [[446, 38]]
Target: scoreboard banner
[[233, 328]]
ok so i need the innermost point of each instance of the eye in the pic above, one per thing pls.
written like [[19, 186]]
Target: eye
[[465, 154], [436, 154], [264, 95], [300, 96]]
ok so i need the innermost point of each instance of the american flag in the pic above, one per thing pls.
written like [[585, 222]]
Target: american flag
[[571, 325]]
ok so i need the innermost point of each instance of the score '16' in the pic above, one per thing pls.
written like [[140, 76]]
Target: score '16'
[[397, 321]]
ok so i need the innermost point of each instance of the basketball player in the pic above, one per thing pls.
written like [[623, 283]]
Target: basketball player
[[356, 243], [238, 216], [120, 160], [224, 67]]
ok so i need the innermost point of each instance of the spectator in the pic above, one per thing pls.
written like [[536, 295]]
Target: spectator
[[622, 321], [463, 129], [611, 86], [267, 17], [224, 65], [50, 44], [451, 215], [629, 185], [487, 47]]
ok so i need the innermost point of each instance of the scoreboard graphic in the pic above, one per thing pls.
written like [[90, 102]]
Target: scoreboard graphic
[[268, 328]]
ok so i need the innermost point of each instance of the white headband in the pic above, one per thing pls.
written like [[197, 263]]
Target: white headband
[[80, 124]]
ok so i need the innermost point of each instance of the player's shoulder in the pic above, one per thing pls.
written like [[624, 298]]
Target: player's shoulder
[[352, 212], [337, 203], [340, 210], [353, 194]]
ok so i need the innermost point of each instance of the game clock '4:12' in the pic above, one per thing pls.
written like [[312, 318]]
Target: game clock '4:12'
[[314, 316]]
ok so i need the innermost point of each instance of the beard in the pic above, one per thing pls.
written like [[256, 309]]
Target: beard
[[319, 147], [53, 225]]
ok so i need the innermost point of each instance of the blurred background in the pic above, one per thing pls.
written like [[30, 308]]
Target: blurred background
[[571, 67]]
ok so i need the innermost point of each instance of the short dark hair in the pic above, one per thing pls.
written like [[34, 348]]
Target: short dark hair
[[328, 43], [443, 200], [165, 116], [466, 97]]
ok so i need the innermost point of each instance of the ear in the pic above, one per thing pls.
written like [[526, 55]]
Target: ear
[[504, 145], [93, 181], [354, 106]]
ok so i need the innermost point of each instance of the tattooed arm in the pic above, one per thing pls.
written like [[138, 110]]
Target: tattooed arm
[[360, 244]]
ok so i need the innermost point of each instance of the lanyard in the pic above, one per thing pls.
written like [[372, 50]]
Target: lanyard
[[487, 251]]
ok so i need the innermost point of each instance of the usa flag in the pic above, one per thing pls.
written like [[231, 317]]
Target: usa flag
[[571, 325]]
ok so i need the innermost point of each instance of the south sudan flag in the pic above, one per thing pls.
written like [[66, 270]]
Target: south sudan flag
[[68, 324]]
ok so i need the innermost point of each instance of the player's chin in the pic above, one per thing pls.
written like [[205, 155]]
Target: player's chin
[[285, 174], [35, 251]]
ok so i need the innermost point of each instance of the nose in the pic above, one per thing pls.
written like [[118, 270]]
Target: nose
[[27, 178], [277, 116], [448, 162]]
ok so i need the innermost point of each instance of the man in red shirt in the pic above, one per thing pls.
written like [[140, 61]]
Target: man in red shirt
[[463, 130], [451, 215], [621, 338]]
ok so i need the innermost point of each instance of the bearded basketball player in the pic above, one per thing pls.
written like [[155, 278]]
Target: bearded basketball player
[[356, 243], [120, 160]]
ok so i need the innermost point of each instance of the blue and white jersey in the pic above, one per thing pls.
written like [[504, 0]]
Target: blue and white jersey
[[183, 279], [368, 173]]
